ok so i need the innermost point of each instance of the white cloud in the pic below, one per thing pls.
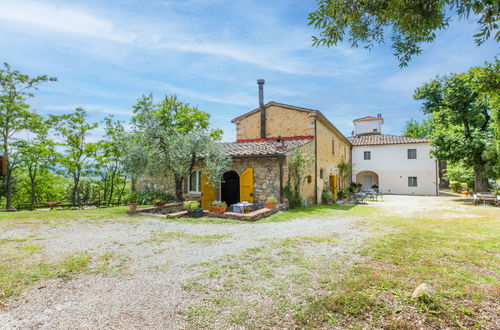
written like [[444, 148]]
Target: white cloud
[[62, 19]]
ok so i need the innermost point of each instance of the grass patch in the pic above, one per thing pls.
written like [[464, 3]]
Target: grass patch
[[323, 211], [161, 236], [459, 257], [64, 217], [22, 264]]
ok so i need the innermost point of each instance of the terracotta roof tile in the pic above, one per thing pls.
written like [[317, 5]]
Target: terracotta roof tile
[[368, 118], [381, 139], [261, 148]]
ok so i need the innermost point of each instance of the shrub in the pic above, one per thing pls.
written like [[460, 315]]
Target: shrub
[[132, 198], [217, 203], [351, 188], [271, 199], [159, 202], [191, 205], [294, 199], [456, 186], [148, 196], [375, 186], [342, 193], [327, 194]]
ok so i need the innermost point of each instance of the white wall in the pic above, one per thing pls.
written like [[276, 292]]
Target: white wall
[[367, 126], [391, 164]]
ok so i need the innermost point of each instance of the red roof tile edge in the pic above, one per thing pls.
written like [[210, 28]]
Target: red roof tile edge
[[298, 137]]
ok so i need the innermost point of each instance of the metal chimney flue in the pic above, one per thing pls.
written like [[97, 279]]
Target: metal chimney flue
[[261, 82]]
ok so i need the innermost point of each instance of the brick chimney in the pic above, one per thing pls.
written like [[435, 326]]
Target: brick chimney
[[261, 82]]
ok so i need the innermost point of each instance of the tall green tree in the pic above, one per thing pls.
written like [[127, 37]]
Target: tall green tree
[[36, 153], [172, 113], [76, 157], [109, 158], [412, 23], [175, 136], [15, 89], [462, 123]]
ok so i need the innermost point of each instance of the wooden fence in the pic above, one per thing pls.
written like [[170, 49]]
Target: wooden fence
[[65, 205]]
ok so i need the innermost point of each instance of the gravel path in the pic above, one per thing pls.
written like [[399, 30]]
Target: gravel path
[[148, 292]]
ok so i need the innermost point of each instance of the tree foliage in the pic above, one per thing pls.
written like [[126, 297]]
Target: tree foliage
[[77, 153], [416, 129], [15, 115], [462, 129], [412, 23], [297, 164], [174, 138]]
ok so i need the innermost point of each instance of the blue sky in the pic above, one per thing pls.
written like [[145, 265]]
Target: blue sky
[[106, 54]]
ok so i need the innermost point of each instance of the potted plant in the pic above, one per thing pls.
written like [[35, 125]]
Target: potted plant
[[327, 195], [193, 209], [217, 207], [342, 194], [159, 202], [132, 202], [375, 187], [271, 202]]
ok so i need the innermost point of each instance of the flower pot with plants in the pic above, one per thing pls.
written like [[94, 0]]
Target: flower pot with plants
[[271, 202], [217, 207], [159, 202], [132, 202], [327, 195], [193, 209], [342, 193]]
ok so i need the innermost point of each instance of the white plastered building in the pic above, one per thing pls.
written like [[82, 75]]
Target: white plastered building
[[394, 164]]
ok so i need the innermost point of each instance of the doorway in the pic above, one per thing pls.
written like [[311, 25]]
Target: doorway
[[230, 188]]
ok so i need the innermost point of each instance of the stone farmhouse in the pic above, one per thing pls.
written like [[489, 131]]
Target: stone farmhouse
[[265, 139]]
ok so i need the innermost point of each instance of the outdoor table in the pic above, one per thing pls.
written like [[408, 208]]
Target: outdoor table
[[241, 207]]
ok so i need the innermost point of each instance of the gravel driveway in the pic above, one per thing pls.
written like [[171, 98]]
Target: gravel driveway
[[148, 292]]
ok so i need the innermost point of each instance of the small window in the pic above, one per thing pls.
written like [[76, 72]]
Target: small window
[[412, 181], [309, 179], [374, 130], [321, 173], [194, 182], [412, 153], [367, 155], [333, 146]]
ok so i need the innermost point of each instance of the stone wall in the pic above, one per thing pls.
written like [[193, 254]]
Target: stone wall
[[160, 182], [266, 175]]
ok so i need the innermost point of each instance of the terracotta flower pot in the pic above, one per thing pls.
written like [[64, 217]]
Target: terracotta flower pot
[[217, 209], [271, 205]]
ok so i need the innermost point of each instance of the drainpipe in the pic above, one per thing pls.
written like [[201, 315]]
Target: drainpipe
[[261, 82], [315, 160]]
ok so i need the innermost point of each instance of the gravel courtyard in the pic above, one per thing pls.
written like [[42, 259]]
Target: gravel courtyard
[[147, 291], [172, 274]]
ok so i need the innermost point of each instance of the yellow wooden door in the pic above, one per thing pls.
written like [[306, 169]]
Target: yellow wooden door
[[333, 184], [207, 192], [246, 186]]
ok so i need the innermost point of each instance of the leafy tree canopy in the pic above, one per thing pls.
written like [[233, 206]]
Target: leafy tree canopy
[[462, 129], [172, 113], [413, 23], [417, 129]]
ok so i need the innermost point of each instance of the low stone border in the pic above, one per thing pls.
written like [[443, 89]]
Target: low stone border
[[251, 216], [162, 210]]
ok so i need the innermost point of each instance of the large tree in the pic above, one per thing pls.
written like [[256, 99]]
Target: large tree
[[175, 136], [109, 158], [15, 115], [74, 129], [462, 124], [36, 153], [412, 22]]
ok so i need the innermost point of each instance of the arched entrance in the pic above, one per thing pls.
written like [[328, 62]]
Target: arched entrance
[[367, 179], [230, 188]]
